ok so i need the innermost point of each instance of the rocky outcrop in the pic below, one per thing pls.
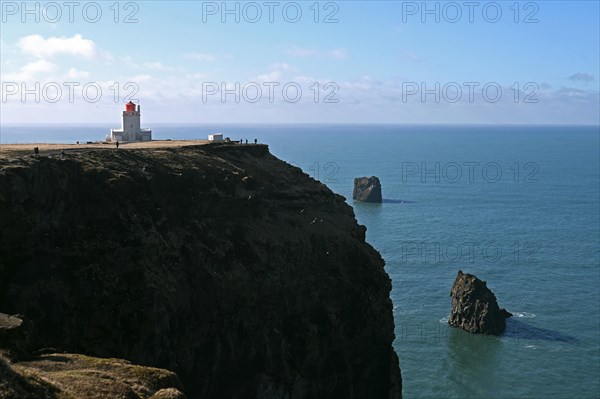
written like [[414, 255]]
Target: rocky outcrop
[[474, 306], [14, 333], [367, 189], [24, 375], [220, 262], [10, 329]]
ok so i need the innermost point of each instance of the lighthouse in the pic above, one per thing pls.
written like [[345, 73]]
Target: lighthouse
[[131, 128]]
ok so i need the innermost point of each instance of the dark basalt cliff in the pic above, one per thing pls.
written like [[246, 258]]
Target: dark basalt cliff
[[220, 263]]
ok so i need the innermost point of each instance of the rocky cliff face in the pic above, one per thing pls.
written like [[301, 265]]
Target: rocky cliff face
[[221, 263], [474, 306]]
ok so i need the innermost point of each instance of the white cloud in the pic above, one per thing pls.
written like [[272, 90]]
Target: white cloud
[[31, 71], [363, 99], [39, 47], [40, 66]]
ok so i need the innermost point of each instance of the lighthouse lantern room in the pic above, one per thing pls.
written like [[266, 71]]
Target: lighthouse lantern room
[[131, 128]]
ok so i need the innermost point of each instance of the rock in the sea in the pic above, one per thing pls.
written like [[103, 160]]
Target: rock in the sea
[[367, 189], [474, 306], [221, 263]]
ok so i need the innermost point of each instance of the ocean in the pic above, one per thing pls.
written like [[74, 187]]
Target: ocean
[[517, 206]]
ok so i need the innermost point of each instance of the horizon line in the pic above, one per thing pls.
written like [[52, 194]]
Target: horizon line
[[466, 124]]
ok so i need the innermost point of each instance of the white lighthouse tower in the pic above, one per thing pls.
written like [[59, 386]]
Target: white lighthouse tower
[[131, 128]]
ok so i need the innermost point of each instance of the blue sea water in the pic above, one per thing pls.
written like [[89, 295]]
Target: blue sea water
[[517, 206]]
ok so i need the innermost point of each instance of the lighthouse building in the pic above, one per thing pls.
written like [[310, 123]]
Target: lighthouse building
[[130, 130]]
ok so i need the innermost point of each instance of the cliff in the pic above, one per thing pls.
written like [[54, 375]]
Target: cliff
[[220, 263]]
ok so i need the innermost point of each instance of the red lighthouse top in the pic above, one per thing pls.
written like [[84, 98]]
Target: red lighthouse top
[[130, 107]]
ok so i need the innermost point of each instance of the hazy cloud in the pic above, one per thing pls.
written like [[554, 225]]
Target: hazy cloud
[[581, 77]]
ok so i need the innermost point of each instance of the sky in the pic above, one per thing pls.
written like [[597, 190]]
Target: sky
[[464, 62]]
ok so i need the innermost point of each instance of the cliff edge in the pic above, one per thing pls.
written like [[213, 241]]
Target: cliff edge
[[219, 262]]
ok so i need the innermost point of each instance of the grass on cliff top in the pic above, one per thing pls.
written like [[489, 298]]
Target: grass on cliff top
[[71, 376], [14, 385]]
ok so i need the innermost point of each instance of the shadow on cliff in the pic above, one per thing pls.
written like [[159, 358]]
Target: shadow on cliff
[[519, 330]]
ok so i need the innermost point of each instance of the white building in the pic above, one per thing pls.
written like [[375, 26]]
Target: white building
[[215, 137], [130, 129]]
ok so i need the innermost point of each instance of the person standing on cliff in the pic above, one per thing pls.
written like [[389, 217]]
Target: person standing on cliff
[[255, 141], [117, 144]]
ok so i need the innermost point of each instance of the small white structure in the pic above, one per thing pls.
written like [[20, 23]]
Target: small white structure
[[130, 130], [215, 137]]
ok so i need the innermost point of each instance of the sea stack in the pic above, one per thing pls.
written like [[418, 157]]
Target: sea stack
[[367, 189], [474, 306]]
